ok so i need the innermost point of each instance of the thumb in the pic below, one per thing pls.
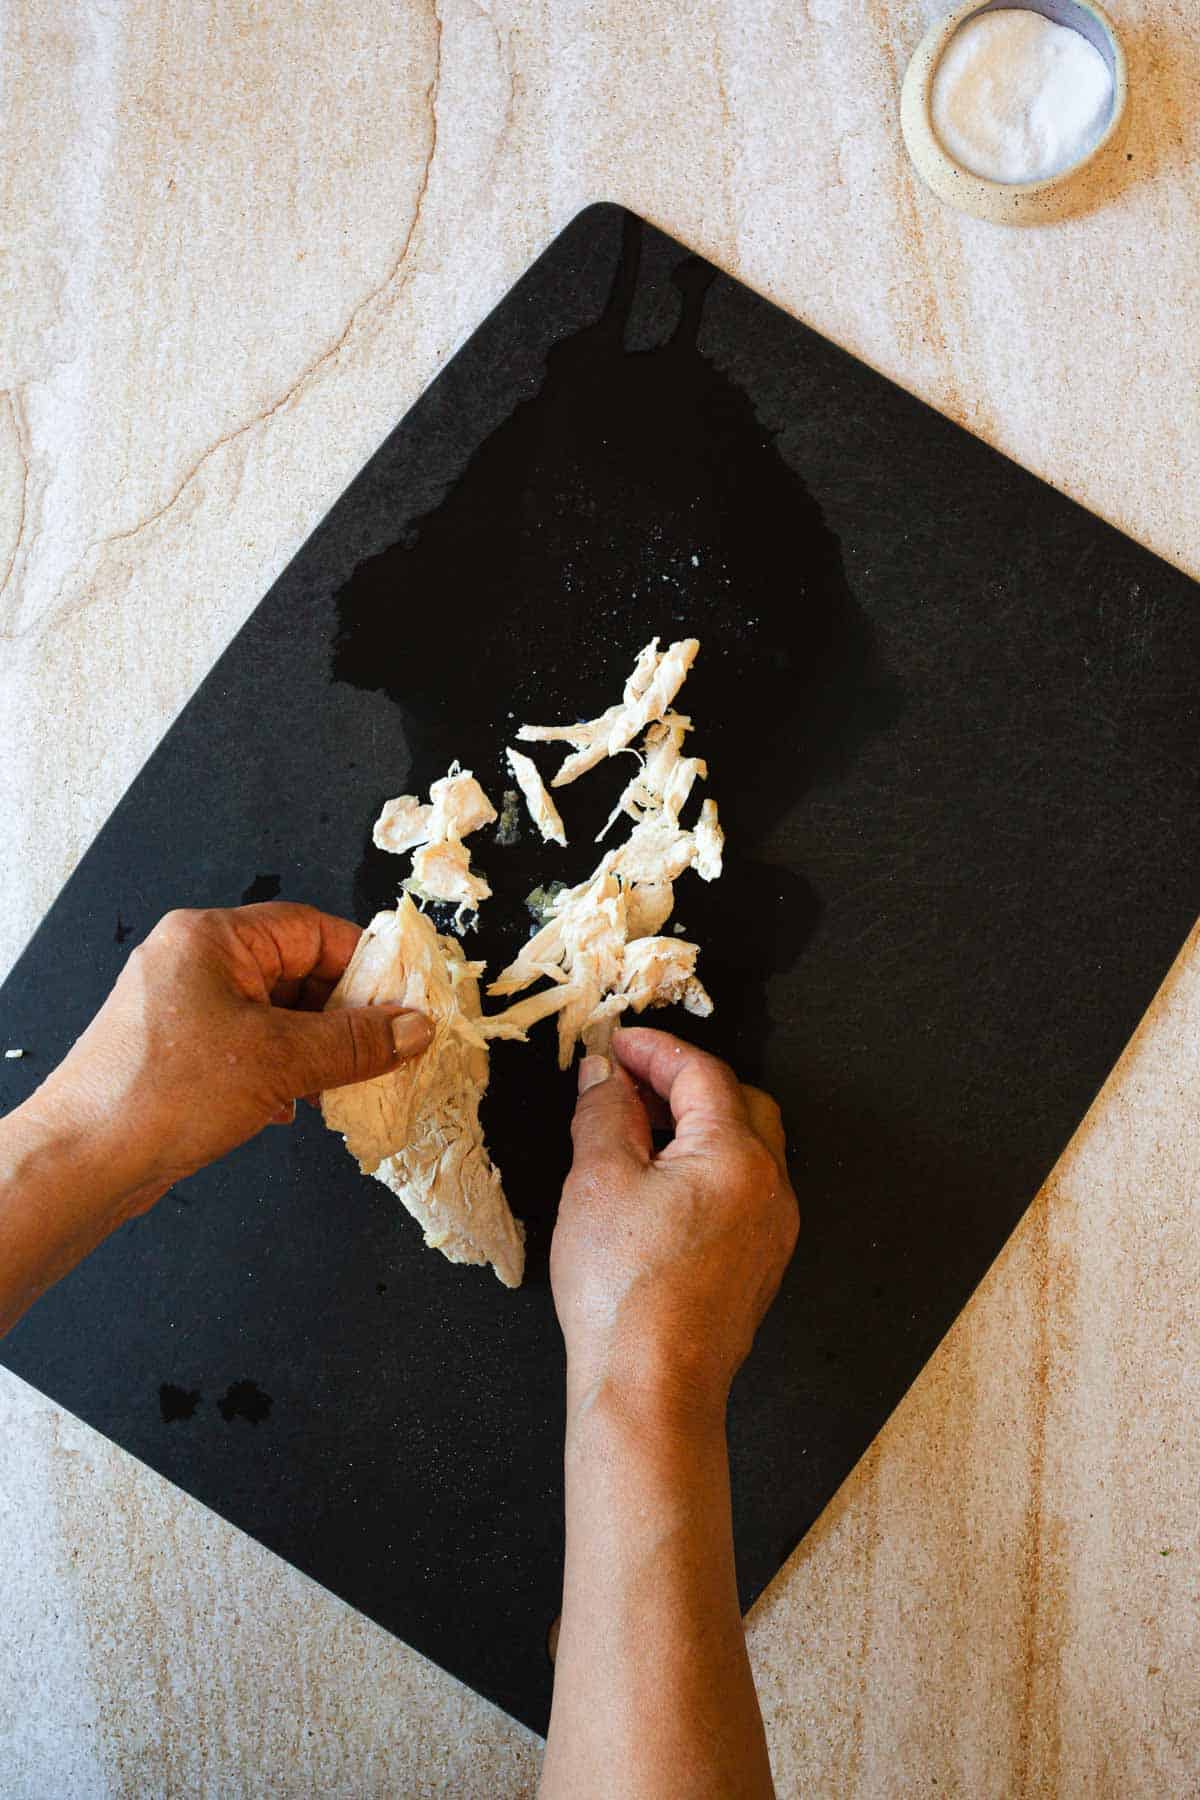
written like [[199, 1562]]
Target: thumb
[[610, 1119], [345, 1044]]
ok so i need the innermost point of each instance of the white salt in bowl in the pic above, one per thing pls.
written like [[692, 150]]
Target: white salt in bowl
[[1072, 189]]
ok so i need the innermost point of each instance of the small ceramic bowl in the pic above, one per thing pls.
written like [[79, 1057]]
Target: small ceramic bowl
[[1003, 202]]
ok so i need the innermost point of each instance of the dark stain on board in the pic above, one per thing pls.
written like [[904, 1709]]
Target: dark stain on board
[[244, 1400]]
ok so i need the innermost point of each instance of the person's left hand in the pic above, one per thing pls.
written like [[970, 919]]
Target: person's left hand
[[213, 1030]]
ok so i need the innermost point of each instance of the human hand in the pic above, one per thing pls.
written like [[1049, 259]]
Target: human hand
[[212, 1031], [663, 1265]]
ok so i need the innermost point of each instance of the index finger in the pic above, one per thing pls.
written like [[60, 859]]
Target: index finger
[[699, 1088], [292, 942]]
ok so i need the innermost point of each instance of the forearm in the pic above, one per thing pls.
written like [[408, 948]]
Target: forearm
[[653, 1692], [61, 1193]]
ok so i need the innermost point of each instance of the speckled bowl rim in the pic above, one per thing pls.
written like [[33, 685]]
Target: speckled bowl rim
[[1003, 202]]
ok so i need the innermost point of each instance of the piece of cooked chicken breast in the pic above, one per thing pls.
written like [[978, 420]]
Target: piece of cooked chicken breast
[[542, 809], [417, 1129], [441, 863]]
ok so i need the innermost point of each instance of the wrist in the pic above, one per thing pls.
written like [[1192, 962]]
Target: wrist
[[60, 1196], [662, 1406], [59, 1143], [642, 1464], [650, 1362]]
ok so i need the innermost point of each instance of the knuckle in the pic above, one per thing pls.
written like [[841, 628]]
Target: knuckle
[[176, 926], [171, 942], [183, 927], [353, 1030], [763, 1102], [759, 1165]]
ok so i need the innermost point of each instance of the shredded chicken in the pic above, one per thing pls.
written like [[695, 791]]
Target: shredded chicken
[[659, 971], [598, 954], [656, 679], [656, 849], [442, 871], [442, 865], [647, 906], [460, 805], [542, 809], [575, 914], [417, 1129], [599, 946], [655, 971], [665, 778], [710, 842], [402, 825]]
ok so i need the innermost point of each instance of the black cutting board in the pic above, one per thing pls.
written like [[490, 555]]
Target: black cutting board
[[951, 722]]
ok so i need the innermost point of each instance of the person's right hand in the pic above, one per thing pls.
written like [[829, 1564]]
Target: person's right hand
[[664, 1264]]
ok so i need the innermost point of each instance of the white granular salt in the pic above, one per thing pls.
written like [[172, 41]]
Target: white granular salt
[[1018, 98]]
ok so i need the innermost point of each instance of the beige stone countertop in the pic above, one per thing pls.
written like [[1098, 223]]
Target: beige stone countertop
[[235, 243]]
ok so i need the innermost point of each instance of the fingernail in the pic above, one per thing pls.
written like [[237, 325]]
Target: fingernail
[[592, 1071], [410, 1032]]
